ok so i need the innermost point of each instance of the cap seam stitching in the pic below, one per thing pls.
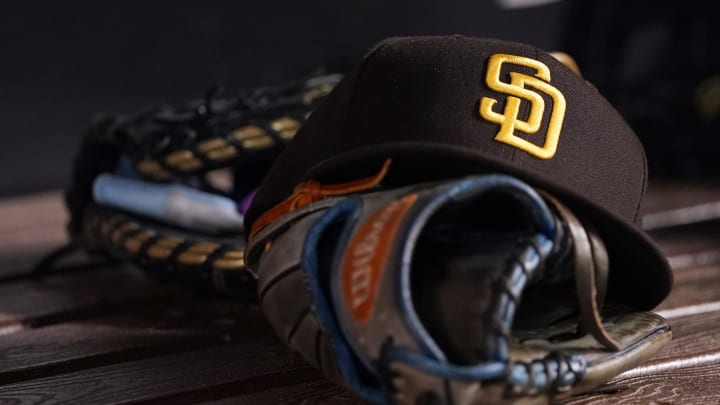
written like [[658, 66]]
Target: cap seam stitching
[[644, 184]]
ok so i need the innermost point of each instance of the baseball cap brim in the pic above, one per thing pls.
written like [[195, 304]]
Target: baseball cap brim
[[640, 276]]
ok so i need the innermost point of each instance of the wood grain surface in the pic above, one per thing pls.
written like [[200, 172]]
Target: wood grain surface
[[109, 334]]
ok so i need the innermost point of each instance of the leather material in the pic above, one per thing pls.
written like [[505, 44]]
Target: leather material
[[171, 182], [591, 272], [351, 283]]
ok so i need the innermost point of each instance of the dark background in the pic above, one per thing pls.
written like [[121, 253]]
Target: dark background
[[64, 62]]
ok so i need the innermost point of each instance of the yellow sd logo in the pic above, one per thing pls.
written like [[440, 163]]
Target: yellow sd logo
[[517, 90]]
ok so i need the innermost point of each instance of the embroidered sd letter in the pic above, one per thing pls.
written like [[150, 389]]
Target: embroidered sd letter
[[516, 90]]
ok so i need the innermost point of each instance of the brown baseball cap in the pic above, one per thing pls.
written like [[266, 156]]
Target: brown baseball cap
[[443, 107]]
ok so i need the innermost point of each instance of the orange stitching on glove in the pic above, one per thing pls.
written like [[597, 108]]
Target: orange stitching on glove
[[312, 191]]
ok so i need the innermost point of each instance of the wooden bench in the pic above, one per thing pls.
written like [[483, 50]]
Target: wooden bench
[[92, 335]]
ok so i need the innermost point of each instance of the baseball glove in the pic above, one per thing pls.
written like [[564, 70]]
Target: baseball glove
[[167, 188], [473, 290]]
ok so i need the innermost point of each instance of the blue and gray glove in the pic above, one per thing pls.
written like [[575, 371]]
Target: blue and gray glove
[[467, 291]]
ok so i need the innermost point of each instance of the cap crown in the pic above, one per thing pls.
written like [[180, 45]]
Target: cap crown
[[511, 105]]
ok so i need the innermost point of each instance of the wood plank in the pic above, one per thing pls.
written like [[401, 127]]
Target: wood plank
[[693, 335], [231, 370], [60, 349], [23, 249], [62, 297], [686, 371], [696, 384], [689, 239], [694, 286], [30, 227], [161, 329], [38, 210], [23, 265], [664, 195], [320, 391], [694, 254], [706, 212]]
